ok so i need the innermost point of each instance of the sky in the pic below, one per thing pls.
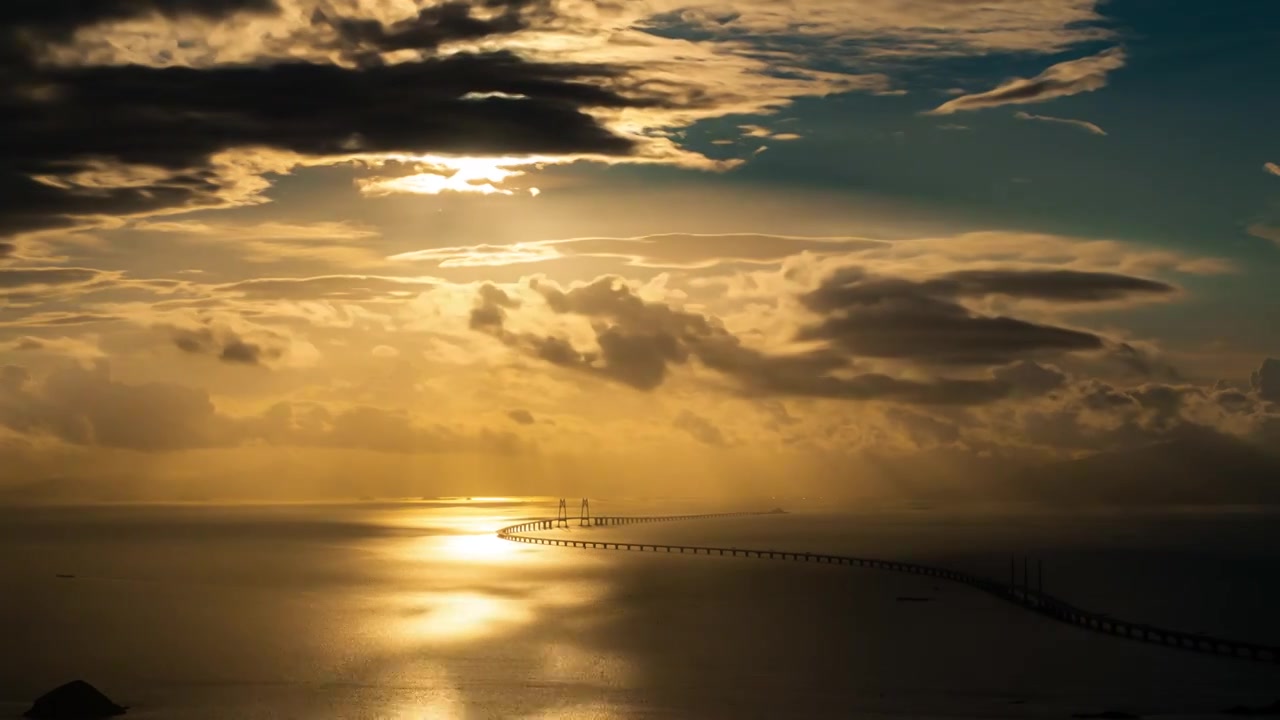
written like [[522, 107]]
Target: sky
[[288, 248]]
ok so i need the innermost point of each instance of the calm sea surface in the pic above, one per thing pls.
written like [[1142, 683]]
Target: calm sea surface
[[416, 610]]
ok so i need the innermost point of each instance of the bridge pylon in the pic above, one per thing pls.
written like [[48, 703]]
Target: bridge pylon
[[584, 515], [562, 514]]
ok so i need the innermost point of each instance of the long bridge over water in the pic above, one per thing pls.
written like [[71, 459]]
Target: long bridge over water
[[1023, 596]]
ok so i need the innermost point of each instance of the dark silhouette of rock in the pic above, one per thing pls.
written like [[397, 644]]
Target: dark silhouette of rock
[[77, 700], [1255, 710]]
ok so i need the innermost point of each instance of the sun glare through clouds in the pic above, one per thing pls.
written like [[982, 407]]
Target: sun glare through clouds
[[446, 174]]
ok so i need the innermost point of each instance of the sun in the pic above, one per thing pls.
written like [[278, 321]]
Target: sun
[[445, 173]]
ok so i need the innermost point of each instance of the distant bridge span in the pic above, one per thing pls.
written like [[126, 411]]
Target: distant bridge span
[[1033, 600]]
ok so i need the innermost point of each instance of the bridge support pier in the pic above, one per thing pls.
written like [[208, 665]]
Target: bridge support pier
[[562, 514]]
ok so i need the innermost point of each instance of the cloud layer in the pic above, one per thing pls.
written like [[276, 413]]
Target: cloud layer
[[126, 109], [852, 316], [1066, 78], [87, 407], [1082, 124], [215, 242]]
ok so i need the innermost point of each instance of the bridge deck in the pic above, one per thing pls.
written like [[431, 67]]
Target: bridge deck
[[1035, 601]]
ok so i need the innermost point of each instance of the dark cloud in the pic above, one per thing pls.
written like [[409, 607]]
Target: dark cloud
[[700, 429], [877, 386], [364, 39], [923, 320], [779, 416], [640, 360], [855, 286], [611, 298], [521, 417], [1164, 404], [55, 121], [933, 331], [1099, 396], [173, 117], [639, 341], [27, 25], [1142, 363], [68, 15], [217, 340], [1026, 377], [490, 310], [864, 315], [1231, 399], [1266, 380], [7, 250], [1060, 285]]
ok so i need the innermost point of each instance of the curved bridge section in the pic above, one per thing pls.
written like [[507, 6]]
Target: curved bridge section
[[1032, 600], [510, 533]]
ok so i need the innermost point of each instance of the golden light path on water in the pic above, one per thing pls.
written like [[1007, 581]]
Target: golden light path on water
[[477, 586], [484, 547], [467, 594]]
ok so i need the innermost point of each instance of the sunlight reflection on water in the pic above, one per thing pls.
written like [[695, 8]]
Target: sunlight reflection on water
[[478, 548], [474, 585], [417, 610], [468, 540], [454, 616]]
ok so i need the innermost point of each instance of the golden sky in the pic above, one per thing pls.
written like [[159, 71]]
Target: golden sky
[[296, 248]]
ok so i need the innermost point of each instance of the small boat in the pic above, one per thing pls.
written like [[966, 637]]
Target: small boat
[[65, 576]]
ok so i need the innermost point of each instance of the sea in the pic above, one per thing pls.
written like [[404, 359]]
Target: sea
[[416, 609]]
